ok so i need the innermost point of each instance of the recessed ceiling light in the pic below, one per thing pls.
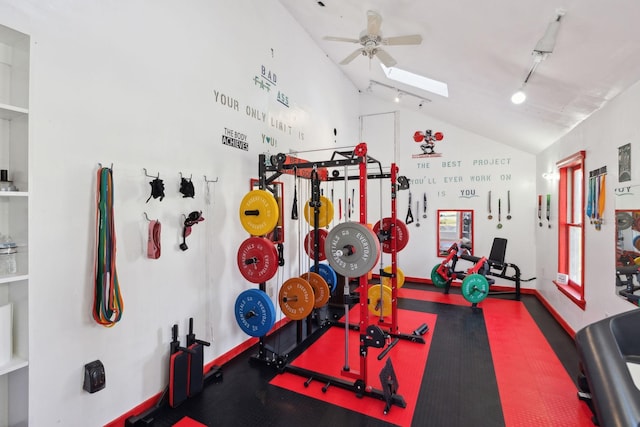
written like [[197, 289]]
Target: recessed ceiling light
[[416, 80], [519, 97]]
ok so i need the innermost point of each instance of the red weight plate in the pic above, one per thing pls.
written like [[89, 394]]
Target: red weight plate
[[258, 259], [402, 234], [309, 241]]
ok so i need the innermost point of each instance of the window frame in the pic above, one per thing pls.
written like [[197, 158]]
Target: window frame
[[574, 291]]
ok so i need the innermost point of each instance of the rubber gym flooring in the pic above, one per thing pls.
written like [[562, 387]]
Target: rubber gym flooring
[[506, 363]]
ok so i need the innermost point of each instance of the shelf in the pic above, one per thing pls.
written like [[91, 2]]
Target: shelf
[[13, 278], [14, 194], [15, 364], [9, 112]]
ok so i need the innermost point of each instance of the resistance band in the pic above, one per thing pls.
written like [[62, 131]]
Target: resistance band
[[107, 302]]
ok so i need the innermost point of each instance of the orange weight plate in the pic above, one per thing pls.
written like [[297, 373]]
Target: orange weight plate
[[296, 298], [320, 288]]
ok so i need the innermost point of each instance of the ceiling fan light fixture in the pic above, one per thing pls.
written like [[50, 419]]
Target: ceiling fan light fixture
[[416, 80]]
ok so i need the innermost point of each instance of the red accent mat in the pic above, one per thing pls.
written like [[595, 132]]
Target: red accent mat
[[535, 389], [188, 422], [326, 356]]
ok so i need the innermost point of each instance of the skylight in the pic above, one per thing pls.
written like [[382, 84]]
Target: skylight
[[416, 80]]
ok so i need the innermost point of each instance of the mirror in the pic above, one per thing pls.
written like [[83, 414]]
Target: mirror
[[628, 254], [454, 226], [627, 237]]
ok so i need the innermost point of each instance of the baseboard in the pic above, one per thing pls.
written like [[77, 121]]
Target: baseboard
[[555, 314]]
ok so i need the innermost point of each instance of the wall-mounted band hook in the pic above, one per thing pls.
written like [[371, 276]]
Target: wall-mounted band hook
[[207, 180], [190, 176], [150, 176], [100, 165]]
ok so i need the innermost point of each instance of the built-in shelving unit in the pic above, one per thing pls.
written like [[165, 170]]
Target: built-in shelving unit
[[14, 222]]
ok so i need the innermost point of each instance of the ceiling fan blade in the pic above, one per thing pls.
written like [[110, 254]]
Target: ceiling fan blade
[[400, 40], [374, 21], [385, 58], [351, 57], [548, 41], [341, 39]]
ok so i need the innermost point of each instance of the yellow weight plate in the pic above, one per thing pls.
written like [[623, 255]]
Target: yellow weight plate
[[379, 300], [325, 215], [399, 277], [296, 298], [259, 212], [320, 288]]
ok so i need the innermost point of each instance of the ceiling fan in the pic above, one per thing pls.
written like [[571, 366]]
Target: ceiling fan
[[371, 39]]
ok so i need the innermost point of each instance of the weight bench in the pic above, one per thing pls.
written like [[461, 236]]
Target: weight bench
[[609, 353], [499, 268]]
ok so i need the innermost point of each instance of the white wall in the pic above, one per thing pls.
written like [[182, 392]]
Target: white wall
[[134, 84], [600, 136], [460, 179]]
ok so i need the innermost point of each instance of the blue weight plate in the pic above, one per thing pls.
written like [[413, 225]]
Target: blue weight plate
[[329, 275], [255, 312]]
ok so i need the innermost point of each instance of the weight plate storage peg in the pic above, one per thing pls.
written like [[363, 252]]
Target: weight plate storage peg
[[309, 241], [382, 229], [296, 298], [259, 212], [352, 249], [329, 275], [386, 281], [379, 300], [325, 213], [475, 288], [436, 278], [258, 259], [320, 288], [255, 313]]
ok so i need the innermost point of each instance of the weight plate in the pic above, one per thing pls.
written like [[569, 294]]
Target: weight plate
[[386, 281], [352, 249], [402, 233], [296, 298], [259, 212], [325, 214], [475, 288], [309, 241], [379, 300], [624, 220], [258, 259], [329, 275], [320, 288], [255, 313], [436, 278]]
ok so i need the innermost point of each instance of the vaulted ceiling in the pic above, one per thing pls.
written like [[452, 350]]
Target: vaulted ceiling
[[483, 51]]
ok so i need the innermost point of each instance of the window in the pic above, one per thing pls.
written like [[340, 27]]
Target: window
[[571, 228]]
